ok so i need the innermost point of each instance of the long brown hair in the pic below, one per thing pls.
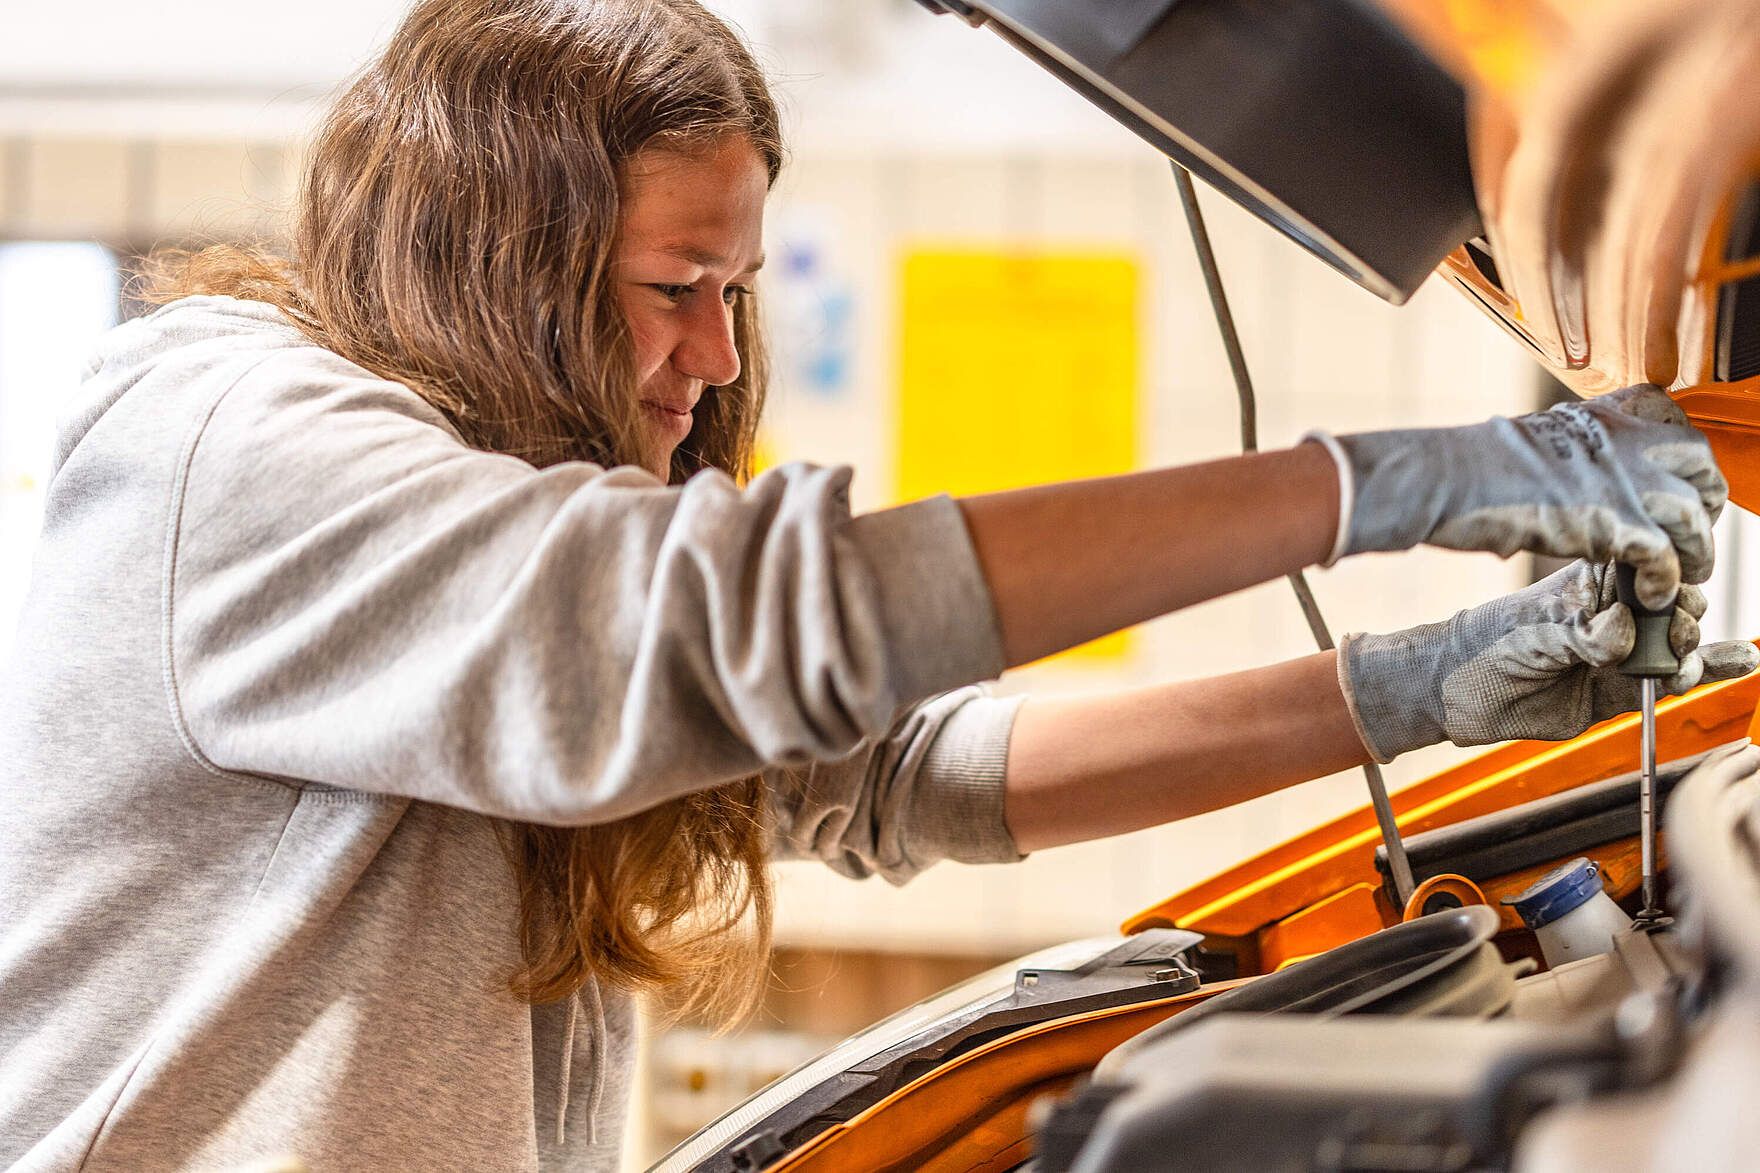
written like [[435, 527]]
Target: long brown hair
[[454, 232]]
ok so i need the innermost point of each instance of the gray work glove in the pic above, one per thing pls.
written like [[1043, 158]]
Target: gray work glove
[[1623, 477], [1540, 663]]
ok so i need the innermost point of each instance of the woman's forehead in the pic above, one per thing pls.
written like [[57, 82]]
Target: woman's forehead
[[704, 207]]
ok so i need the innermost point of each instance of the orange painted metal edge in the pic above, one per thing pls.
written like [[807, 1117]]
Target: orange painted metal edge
[[1344, 916], [1729, 415], [990, 1087], [1000, 1140], [1447, 884], [1325, 861]]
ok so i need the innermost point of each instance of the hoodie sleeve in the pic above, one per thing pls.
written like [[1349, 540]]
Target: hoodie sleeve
[[930, 789], [355, 598]]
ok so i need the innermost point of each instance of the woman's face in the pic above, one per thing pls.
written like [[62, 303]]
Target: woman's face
[[689, 243]]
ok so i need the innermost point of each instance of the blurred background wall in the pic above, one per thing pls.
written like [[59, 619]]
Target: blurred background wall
[[976, 281]]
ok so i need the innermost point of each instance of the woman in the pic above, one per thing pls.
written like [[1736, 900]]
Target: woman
[[407, 679]]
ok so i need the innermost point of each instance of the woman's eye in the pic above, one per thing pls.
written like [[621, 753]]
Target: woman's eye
[[730, 294]]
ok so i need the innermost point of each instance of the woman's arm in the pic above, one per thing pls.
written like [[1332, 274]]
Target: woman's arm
[[356, 598], [1623, 477], [1541, 662], [929, 789], [1069, 562], [1087, 767]]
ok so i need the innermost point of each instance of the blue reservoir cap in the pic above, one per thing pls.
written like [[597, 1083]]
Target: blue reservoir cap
[[1559, 891]]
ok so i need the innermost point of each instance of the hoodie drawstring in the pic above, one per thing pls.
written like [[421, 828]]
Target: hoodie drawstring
[[596, 1040], [597, 1096], [565, 1069]]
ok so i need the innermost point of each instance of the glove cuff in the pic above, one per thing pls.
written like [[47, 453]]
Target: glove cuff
[[1400, 488], [1346, 492], [1390, 686], [1350, 698]]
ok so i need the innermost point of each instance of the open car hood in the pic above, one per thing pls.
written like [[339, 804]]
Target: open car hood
[[1584, 171]]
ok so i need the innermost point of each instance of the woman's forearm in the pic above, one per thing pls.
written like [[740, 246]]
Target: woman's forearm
[[1069, 562], [1087, 767]]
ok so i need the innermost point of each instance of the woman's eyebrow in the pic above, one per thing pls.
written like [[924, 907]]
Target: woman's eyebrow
[[706, 258]]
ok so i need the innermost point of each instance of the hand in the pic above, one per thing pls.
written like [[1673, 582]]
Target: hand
[[1623, 477], [1540, 663], [1723, 767]]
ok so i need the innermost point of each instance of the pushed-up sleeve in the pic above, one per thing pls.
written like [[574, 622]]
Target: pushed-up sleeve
[[355, 598], [930, 789]]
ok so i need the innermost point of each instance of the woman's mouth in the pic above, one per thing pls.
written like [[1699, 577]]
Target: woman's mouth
[[674, 422]]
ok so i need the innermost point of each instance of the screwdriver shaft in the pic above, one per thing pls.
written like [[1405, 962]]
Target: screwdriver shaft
[[1647, 797], [1652, 659]]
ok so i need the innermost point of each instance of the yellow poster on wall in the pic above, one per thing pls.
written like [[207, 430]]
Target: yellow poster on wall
[[1017, 368]]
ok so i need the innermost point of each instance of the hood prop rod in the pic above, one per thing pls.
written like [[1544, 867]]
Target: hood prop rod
[[1398, 864]]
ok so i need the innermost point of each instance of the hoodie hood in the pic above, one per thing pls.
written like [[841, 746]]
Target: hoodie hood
[[127, 353]]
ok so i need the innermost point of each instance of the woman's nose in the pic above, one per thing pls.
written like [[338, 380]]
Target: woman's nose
[[707, 350]]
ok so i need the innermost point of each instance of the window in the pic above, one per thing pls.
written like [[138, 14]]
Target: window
[[55, 300]]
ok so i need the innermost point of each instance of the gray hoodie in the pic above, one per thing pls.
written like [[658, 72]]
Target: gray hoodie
[[291, 647]]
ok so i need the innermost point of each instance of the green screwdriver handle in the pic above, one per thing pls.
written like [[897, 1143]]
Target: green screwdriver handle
[[1651, 654]]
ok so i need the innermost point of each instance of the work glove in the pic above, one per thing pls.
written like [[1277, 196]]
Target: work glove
[[1540, 663], [1623, 477], [1723, 767]]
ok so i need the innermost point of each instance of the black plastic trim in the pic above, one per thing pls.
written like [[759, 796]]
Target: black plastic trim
[[1555, 827], [1743, 243], [1738, 330], [1321, 118]]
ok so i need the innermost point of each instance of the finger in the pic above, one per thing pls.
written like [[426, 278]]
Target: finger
[[1683, 632], [1725, 751], [1646, 401], [1659, 568], [1604, 639], [1691, 600], [1578, 580], [1574, 589], [1688, 526], [1726, 767], [1687, 677], [1692, 461], [1606, 584], [1729, 659]]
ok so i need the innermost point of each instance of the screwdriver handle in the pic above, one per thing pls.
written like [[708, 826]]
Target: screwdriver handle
[[1651, 654]]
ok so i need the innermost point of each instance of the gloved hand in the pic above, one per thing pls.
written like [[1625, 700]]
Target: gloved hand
[[1724, 766], [1622, 477], [1540, 663]]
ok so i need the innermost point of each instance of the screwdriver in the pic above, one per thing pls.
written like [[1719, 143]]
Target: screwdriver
[[1652, 659]]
